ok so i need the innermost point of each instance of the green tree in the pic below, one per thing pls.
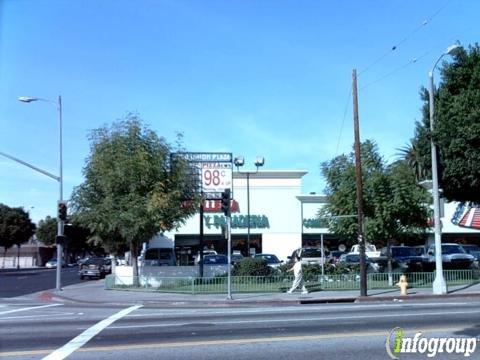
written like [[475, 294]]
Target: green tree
[[394, 205], [16, 227], [457, 127], [131, 190], [47, 230]]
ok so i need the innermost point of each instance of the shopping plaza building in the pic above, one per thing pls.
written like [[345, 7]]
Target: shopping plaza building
[[283, 219]]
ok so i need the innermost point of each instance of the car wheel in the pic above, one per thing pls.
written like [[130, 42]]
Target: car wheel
[[81, 277]]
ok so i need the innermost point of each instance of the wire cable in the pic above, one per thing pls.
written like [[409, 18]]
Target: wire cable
[[394, 47]]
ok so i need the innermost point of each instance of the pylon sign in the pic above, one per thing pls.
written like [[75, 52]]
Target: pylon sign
[[214, 172]]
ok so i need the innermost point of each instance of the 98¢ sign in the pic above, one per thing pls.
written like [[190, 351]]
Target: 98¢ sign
[[216, 177]]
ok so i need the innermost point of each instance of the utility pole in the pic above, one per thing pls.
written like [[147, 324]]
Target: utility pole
[[359, 185]]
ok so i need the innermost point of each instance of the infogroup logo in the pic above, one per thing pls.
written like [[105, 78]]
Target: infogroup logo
[[397, 343]]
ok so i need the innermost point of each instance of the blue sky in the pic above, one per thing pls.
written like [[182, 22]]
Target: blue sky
[[263, 77]]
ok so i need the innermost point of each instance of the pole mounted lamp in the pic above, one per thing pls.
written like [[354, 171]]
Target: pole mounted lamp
[[239, 161], [60, 220], [439, 284]]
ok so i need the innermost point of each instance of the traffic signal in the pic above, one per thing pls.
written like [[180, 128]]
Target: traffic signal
[[62, 210], [226, 202]]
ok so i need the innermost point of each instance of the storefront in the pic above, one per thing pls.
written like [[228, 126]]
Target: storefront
[[282, 219]]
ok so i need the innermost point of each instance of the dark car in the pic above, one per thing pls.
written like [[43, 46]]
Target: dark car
[[272, 260], [334, 256], [215, 260], [95, 268], [350, 260], [405, 257]]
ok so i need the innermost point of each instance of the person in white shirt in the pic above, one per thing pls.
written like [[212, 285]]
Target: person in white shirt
[[298, 273]]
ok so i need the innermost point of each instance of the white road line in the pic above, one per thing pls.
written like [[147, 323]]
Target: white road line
[[88, 334], [35, 317], [294, 319], [28, 308]]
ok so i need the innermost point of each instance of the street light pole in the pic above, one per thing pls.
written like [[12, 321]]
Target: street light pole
[[439, 284], [60, 223], [239, 161]]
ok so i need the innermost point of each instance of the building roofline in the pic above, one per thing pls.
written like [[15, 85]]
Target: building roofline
[[312, 198], [270, 174]]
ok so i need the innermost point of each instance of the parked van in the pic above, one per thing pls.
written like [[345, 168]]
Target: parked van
[[158, 252], [159, 257]]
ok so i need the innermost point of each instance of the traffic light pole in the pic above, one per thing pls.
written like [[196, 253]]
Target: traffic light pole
[[229, 249], [226, 201]]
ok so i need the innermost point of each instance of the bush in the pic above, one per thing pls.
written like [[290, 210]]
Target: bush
[[252, 267]]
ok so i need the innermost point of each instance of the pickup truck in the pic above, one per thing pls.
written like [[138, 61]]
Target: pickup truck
[[370, 250]]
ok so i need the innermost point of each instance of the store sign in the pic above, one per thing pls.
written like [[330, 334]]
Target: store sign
[[212, 171], [215, 206], [238, 221], [467, 215]]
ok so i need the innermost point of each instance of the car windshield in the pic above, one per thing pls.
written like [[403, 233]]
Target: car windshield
[[311, 252], [95, 261], [270, 259], [452, 249], [403, 251], [419, 251]]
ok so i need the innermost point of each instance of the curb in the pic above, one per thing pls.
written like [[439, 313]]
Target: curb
[[53, 296], [414, 297]]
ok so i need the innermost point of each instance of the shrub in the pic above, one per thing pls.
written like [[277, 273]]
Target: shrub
[[252, 267]]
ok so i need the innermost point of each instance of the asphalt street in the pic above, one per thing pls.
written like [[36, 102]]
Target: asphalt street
[[22, 282], [54, 330]]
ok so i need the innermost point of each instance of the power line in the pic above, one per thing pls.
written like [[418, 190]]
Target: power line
[[394, 47]]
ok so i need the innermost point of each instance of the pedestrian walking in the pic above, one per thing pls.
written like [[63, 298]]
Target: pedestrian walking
[[298, 272]]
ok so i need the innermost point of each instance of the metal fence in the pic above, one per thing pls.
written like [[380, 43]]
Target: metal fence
[[266, 284]]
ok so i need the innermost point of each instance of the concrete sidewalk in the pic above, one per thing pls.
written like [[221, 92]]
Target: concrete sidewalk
[[94, 293]]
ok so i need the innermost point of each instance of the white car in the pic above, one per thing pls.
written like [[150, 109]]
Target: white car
[[52, 263]]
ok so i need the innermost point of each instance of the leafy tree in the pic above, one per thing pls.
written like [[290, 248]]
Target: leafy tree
[[457, 127], [47, 230], [16, 227], [131, 190], [394, 205]]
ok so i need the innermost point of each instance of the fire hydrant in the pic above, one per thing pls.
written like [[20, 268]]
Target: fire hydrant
[[402, 284]]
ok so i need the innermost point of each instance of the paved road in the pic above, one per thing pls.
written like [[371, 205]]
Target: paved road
[[33, 330], [22, 282]]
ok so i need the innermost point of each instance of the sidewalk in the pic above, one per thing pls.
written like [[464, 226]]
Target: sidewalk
[[94, 293]]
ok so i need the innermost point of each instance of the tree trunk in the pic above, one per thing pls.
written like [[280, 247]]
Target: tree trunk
[[389, 263], [18, 256], [4, 256], [134, 256]]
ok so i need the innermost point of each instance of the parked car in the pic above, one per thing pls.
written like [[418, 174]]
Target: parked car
[[52, 263], [215, 260], [472, 250], [453, 257], [205, 253], [354, 259], [405, 258], [309, 255], [236, 257], [272, 260], [95, 267], [334, 256]]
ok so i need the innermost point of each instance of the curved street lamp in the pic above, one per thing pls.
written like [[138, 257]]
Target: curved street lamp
[[439, 284], [60, 222], [239, 161]]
